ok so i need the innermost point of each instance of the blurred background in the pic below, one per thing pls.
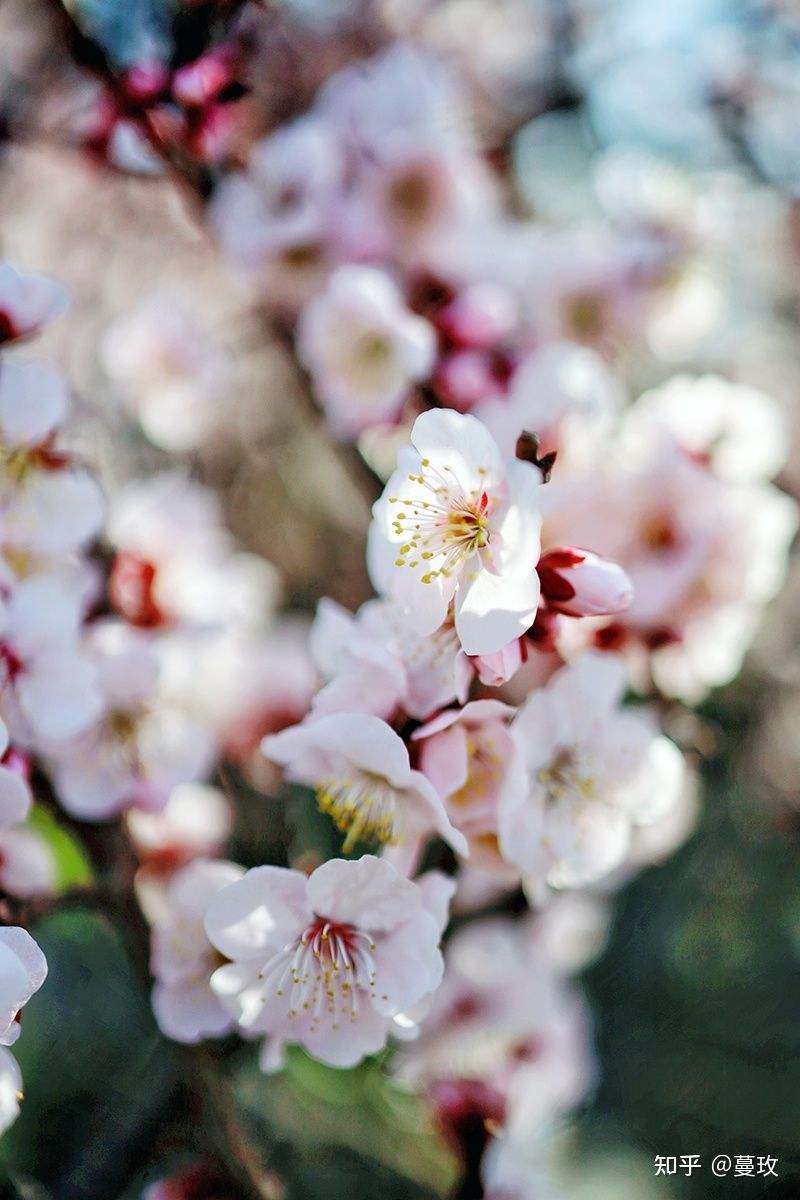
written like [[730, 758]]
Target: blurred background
[[602, 111]]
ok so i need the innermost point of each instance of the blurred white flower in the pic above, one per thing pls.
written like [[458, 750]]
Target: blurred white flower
[[171, 372], [590, 772], [363, 347], [182, 959]]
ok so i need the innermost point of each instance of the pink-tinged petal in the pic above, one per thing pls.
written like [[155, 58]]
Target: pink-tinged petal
[[15, 798], [444, 758], [346, 1045], [496, 669], [428, 812], [23, 969], [189, 1013], [408, 964], [581, 584], [492, 610], [259, 913], [33, 402], [368, 893], [437, 892], [27, 864]]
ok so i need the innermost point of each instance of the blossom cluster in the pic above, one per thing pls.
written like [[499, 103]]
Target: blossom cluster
[[553, 564]]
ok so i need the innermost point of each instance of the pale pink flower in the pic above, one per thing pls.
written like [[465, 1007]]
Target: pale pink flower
[[183, 960], [373, 662], [466, 753], [405, 129], [502, 1010], [50, 507], [327, 961], [23, 970], [590, 772], [176, 562], [738, 431], [276, 218], [363, 347], [363, 778], [171, 373], [48, 683], [456, 522], [27, 864], [142, 746], [195, 822], [703, 555]]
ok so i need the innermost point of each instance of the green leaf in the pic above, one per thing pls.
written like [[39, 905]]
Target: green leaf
[[321, 1109], [73, 868]]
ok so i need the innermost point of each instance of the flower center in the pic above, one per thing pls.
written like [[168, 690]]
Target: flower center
[[484, 767], [565, 775], [323, 970], [364, 807], [444, 526]]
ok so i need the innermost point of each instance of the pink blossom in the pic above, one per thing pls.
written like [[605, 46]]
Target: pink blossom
[[327, 961]]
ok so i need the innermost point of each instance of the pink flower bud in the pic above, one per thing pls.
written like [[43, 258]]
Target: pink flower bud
[[581, 584], [479, 317], [465, 377], [145, 82], [498, 668]]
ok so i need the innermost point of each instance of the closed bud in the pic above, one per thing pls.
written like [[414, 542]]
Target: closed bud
[[581, 584]]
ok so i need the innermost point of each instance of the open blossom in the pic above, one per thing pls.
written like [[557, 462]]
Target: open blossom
[[502, 1009], [456, 522], [49, 505], [171, 372], [363, 778], [27, 303], [141, 746], [373, 662], [194, 823], [466, 753], [415, 172], [327, 961], [738, 431], [48, 683], [276, 217], [363, 347], [591, 771], [182, 959], [177, 565], [703, 554]]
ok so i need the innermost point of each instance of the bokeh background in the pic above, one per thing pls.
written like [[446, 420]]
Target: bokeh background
[[696, 998]]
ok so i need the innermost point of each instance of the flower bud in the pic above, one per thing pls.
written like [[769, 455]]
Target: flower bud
[[581, 584], [495, 669]]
